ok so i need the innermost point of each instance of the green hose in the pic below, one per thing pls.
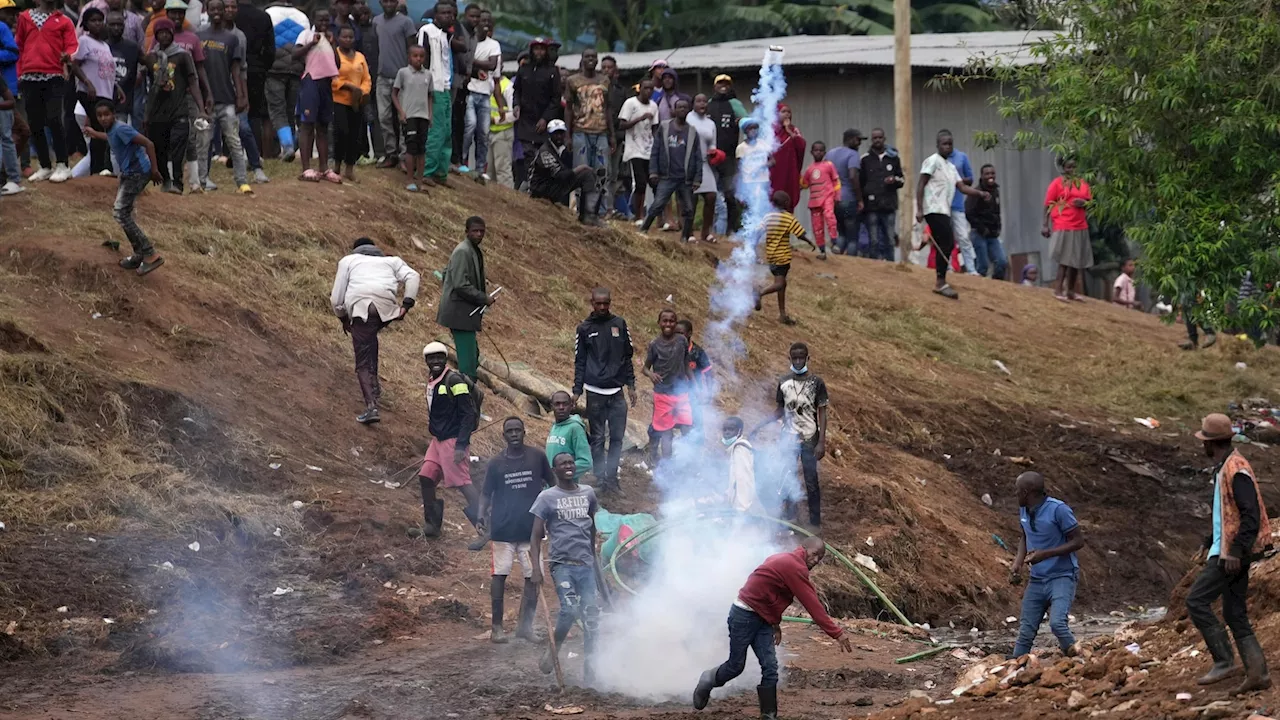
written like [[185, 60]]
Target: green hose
[[644, 536]]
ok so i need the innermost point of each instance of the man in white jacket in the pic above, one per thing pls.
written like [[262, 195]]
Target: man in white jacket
[[364, 299], [741, 494]]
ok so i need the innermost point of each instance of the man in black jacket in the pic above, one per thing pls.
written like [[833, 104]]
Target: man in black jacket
[[725, 109], [537, 93], [675, 168], [451, 408], [602, 367], [984, 225], [553, 177], [881, 179]]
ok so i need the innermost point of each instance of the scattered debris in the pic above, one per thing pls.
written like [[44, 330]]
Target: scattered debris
[[1001, 367], [313, 468], [573, 655], [108, 621], [92, 540], [188, 419], [870, 542], [866, 562], [297, 504], [194, 547], [274, 466], [391, 485], [166, 565], [2, 527], [1019, 460], [62, 609], [1241, 366], [670, 299], [475, 458], [572, 709], [1183, 697], [1133, 648], [282, 591], [1011, 619], [1149, 422], [11, 628], [1000, 541], [277, 533], [986, 499], [96, 316]]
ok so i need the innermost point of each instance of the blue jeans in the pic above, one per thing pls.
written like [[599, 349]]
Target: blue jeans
[[988, 251], [882, 227], [576, 587], [8, 150], [749, 630], [1054, 595], [592, 151], [476, 129]]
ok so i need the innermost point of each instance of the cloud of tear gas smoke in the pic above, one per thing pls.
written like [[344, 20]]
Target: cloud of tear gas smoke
[[658, 642]]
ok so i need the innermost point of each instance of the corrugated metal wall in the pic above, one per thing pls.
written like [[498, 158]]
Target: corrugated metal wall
[[825, 104]]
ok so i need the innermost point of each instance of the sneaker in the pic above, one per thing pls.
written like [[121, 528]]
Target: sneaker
[[463, 169], [171, 188], [146, 267], [245, 189], [106, 173], [208, 185], [640, 223], [133, 262], [40, 175], [11, 188], [368, 417], [260, 177], [61, 173], [1209, 340]]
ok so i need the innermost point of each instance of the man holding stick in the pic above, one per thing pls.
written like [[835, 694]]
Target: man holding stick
[[463, 295], [566, 515]]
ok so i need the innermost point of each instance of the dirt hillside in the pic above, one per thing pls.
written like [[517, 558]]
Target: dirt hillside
[[202, 403]]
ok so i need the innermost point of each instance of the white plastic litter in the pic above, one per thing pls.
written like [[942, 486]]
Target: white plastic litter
[[1183, 697], [870, 542], [1011, 619], [1001, 367], [277, 533], [194, 547], [62, 609], [282, 591], [986, 499], [274, 466], [297, 504], [475, 458], [92, 540], [671, 298], [1133, 648], [108, 621], [2, 526], [1148, 422], [1241, 366], [314, 468], [166, 565], [188, 419], [866, 562], [391, 485], [96, 316]]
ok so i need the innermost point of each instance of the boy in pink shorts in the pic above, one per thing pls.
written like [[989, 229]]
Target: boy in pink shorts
[[667, 365], [452, 409]]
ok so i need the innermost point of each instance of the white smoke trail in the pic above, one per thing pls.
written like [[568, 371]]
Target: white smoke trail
[[658, 643]]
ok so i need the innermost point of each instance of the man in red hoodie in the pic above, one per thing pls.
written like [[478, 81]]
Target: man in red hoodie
[[46, 42], [755, 621]]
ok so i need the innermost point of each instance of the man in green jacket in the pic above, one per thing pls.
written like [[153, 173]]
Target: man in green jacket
[[568, 434], [463, 298]]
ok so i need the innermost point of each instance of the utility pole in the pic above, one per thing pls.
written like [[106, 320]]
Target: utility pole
[[904, 131]]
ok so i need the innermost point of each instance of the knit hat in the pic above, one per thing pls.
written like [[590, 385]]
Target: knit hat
[[163, 24], [361, 242], [434, 348]]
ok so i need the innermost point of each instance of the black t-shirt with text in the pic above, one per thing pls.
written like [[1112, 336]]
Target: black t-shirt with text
[[514, 483], [126, 54]]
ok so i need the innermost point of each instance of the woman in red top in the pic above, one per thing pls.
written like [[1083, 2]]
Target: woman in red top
[[1064, 205], [788, 157]]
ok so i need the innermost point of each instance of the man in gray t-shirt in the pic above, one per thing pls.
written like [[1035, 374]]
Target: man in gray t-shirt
[[567, 514], [396, 32]]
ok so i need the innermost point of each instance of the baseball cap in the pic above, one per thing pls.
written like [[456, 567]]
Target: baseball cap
[[556, 126], [7, 4], [175, 5], [658, 63], [435, 348], [539, 41], [1215, 426], [723, 78]]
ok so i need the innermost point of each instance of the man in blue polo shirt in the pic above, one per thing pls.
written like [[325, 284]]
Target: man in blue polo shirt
[[959, 222], [1050, 539]]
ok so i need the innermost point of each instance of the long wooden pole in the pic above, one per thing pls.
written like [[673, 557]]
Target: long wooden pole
[[903, 127]]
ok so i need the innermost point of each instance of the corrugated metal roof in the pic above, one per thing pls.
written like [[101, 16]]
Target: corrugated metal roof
[[934, 50]]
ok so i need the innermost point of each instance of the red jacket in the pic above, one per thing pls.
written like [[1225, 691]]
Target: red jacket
[[779, 580], [40, 49]]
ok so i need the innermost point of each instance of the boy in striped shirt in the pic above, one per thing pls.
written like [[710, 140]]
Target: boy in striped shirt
[[779, 226]]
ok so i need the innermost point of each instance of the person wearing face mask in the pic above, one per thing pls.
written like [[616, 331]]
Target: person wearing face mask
[[755, 621], [802, 401], [741, 494]]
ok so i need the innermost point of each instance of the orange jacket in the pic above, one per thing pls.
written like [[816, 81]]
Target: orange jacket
[[353, 70]]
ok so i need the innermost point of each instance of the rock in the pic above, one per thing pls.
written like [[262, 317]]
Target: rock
[[1027, 677], [1099, 688], [864, 701], [1076, 700], [1052, 678], [1256, 716], [918, 694], [986, 688], [1125, 706]]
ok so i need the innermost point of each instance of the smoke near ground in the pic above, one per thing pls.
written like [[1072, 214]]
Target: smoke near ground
[[658, 642]]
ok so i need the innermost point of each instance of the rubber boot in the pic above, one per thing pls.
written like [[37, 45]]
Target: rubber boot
[[702, 693], [482, 535], [528, 610], [768, 701], [1255, 666], [1224, 665]]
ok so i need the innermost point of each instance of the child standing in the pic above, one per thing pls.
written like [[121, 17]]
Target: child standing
[[315, 96], [136, 158], [1123, 293], [823, 183], [779, 226], [411, 95], [667, 366], [700, 383], [350, 91]]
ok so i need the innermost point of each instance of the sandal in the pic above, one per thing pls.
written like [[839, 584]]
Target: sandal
[[333, 177], [310, 176], [1061, 298], [947, 291]]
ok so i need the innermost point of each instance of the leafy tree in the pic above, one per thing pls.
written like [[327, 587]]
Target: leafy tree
[[1172, 109]]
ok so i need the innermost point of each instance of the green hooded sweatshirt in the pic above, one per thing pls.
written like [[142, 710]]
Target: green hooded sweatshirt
[[570, 436]]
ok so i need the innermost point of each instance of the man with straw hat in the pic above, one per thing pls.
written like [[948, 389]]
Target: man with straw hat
[[1241, 534]]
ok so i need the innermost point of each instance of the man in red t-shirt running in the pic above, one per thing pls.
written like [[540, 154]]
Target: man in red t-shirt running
[[755, 621]]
